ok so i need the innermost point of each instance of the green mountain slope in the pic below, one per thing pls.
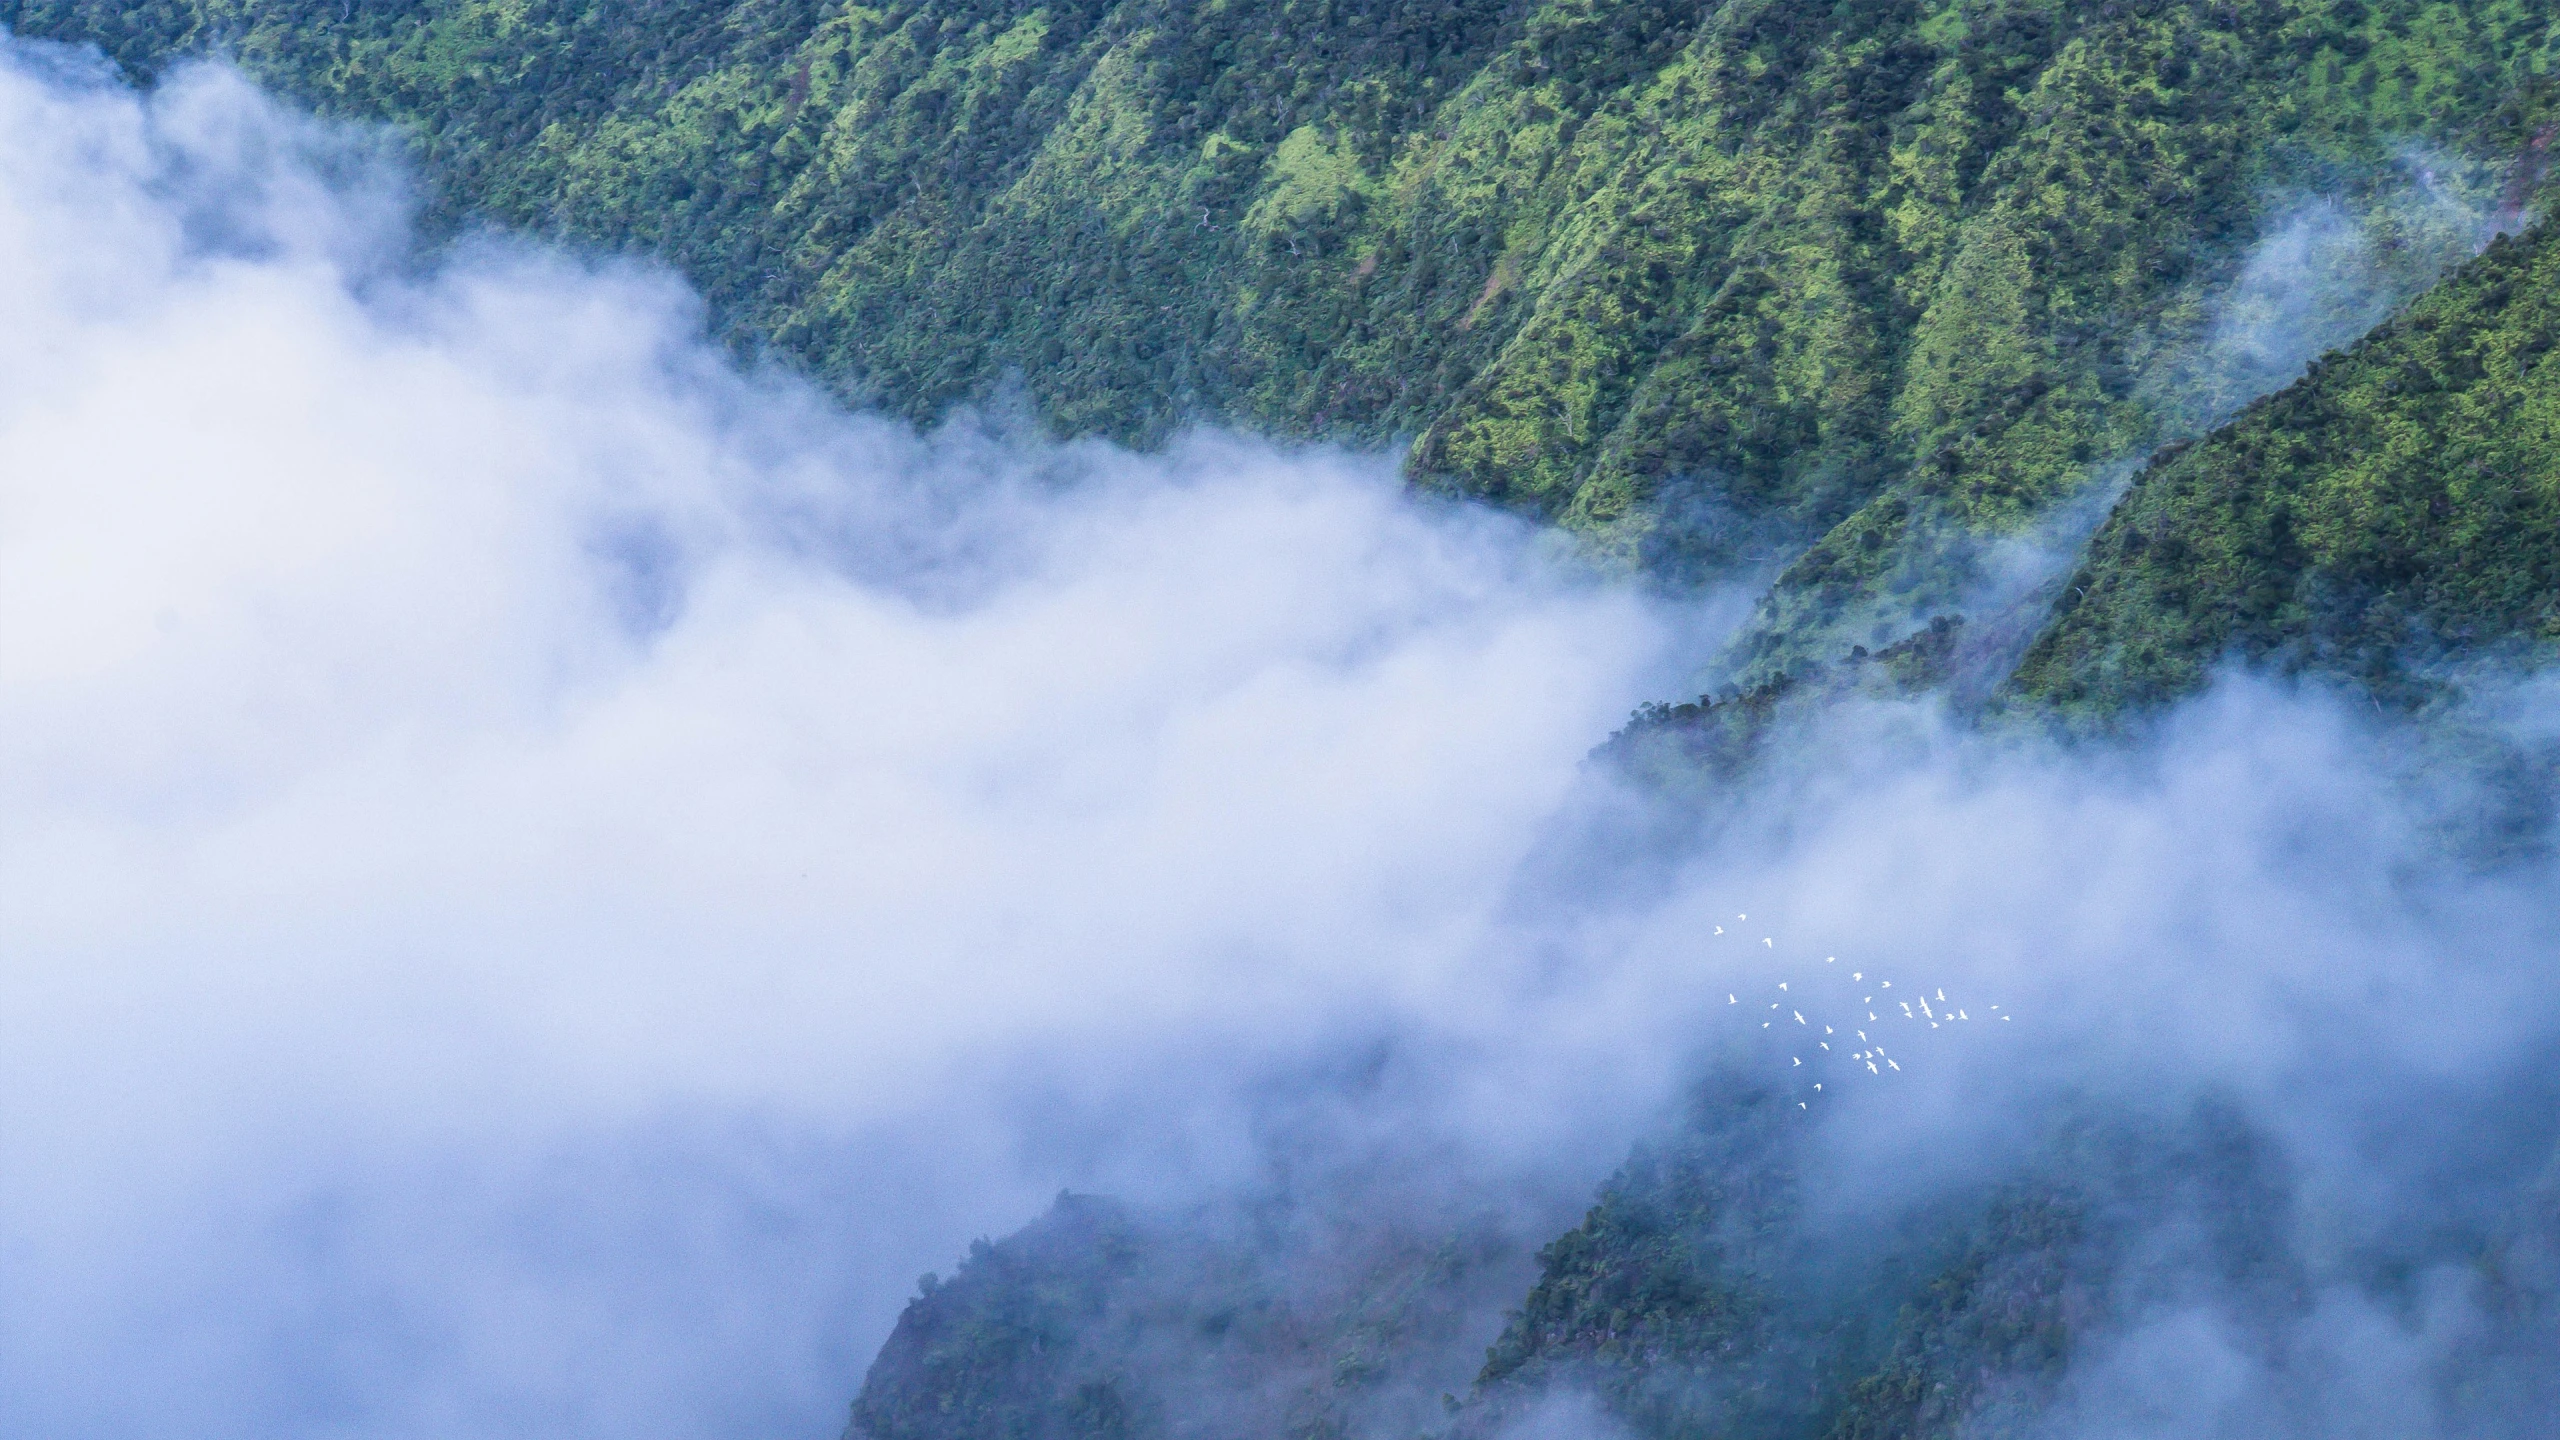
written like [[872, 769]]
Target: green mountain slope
[[1270, 1317], [1855, 294], [2399, 507], [1701, 1295], [1711, 284], [1734, 1280]]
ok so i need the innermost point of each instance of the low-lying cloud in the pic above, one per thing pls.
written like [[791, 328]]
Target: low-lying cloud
[[524, 846]]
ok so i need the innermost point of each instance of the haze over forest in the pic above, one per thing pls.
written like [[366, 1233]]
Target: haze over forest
[[1326, 719]]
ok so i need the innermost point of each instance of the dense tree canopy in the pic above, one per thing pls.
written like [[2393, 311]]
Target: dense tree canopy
[[1711, 284]]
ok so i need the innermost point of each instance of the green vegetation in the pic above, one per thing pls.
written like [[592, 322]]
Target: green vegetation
[[1866, 293], [1097, 1322], [993, 1352], [1714, 740], [1888, 279], [2397, 509], [1701, 1295]]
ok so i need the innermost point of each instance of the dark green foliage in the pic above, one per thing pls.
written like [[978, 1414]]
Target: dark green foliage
[[1704, 1293], [2398, 507], [1098, 1322], [2002, 1309], [1662, 1267], [1711, 739], [1665, 1300], [1707, 283], [996, 1350], [1702, 1296]]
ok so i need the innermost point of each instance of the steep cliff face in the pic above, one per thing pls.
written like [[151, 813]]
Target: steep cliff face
[[1855, 288]]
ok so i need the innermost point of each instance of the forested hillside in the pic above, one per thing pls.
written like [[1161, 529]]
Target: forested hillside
[[2396, 511], [1273, 1316], [1705, 1293], [1710, 284], [1886, 306]]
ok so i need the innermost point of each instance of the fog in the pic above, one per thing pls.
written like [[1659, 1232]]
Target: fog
[[540, 867], [546, 873]]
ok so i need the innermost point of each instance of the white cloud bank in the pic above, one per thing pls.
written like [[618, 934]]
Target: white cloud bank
[[519, 843]]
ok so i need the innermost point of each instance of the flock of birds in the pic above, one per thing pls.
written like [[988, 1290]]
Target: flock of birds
[[1855, 1043]]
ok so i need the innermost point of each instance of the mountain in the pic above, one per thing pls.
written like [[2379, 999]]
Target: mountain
[[1713, 1289], [2396, 509], [1282, 1314], [1849, 293], [2041, 355]]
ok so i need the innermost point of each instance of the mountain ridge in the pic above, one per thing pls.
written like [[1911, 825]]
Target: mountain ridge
[[1861, 289]]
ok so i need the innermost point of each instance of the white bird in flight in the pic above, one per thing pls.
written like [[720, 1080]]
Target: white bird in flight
[[1876, 1053]]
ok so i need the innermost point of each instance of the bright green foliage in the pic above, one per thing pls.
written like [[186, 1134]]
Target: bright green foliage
[[1705, 282], [2399, 505]]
